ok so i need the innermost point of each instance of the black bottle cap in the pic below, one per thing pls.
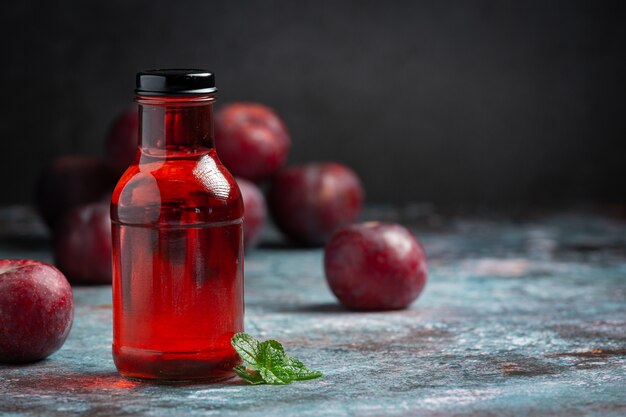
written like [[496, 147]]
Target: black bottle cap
[[175, 82]]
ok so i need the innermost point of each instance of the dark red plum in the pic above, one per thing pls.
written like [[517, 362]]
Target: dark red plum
[[71, 181], [310, 202], [36, 310], [121, 141], [251, 140], [375, 266], [255, 212], [82, 245]]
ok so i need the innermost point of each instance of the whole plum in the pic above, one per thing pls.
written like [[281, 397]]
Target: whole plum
[[82, 244], [36, 310], [251, 140], [310, 202], [375, 266]]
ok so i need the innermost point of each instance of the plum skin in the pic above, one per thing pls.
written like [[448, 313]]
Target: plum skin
[[375, 266], [251, 140], [36, 310], [255, 212], [310, 202], [83, 244]]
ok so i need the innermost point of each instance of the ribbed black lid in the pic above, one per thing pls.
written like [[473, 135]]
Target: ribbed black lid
[[175, 82]]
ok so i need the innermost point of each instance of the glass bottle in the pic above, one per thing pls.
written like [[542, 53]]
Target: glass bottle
[[177, 239]]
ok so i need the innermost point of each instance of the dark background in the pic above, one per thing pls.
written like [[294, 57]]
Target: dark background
[[458, 103]]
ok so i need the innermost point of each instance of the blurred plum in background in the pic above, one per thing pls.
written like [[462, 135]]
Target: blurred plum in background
[[121, 141], [251, 140], [255, 212], [82, 244], [71, 181], [310, 202]]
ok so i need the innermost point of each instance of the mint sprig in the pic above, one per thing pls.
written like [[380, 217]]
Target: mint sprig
[[267, 362]]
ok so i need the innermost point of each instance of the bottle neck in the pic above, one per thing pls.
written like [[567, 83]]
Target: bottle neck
[[170, 125]]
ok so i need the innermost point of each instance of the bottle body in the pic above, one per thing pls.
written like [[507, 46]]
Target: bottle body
[[177, 250]]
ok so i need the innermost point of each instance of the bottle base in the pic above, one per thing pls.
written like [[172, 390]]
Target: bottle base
[[158, 381], [175, 368]]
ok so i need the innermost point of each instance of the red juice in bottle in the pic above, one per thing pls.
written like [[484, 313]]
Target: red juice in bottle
[[177, 239]]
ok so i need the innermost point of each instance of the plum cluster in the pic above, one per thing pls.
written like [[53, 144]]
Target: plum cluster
[[312, 204], [369, 266], [307, 202]]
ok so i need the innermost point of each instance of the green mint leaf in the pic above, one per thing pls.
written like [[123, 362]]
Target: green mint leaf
[[247, 347], [250, 375], [276, 376], [270, 364], [271, 353], [299, 371]]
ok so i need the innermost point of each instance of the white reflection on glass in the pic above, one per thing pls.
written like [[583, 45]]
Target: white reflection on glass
[[207, 172]]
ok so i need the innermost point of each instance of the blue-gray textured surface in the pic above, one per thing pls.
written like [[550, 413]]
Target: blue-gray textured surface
[[516, 319]]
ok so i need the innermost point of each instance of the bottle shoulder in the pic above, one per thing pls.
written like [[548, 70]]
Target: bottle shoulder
[[187, 190]]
